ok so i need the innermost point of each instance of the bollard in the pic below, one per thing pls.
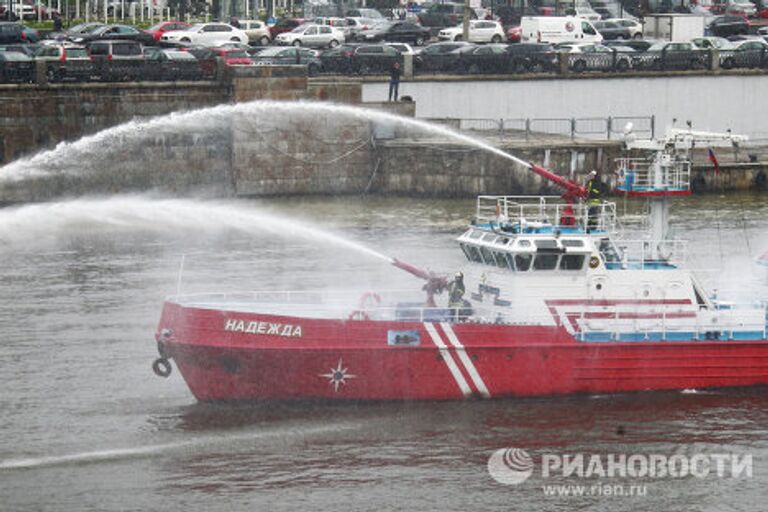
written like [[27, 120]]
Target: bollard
[[41, 72], [562, 61], [221, 69], [407, 66], [714, 59]]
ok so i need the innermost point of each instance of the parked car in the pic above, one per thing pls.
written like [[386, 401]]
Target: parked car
[[11, 32], [205, 33], [487, 59], [117, 32], [122, 32], [598, 57], [514, 34], [257, 31], [403, 31], [439, 16], [116, 60], [284, 25], [635, 27], [206, 59], [338, 23], [707, 42], [65, 62], [364, 13], [233, 56], [358, 26], [480, 31], [610, 30], [532, 57], [673, 55], [161, 28], [250, 50], [437, 56], [75, 31], [277, 55], [741, 8], [402, 48], [16, 67], [752, 53], [639, 45], [370, 59], [171, 64], [338, 60], [27, 49], [724, 26], [311, 35]]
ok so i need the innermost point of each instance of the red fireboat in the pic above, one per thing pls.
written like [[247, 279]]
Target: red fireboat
[[555, 303]]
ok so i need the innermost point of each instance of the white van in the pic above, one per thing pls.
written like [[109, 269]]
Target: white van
[[558, 29]]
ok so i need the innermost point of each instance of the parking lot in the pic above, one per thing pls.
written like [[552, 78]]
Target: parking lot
[[171, 51]]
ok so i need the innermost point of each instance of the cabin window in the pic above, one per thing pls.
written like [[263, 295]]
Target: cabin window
[[572, 243], [502, 240], [547, 244], [487, 256], [572, 262], [475, 234], [523, 262], [501, 260], [472, 253], [465, 250], [510, 260], [608, 250], [524, 243], [545, 262]]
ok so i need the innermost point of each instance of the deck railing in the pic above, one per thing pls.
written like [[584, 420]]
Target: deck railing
[[590, 323], [638, 174], [539, 211]]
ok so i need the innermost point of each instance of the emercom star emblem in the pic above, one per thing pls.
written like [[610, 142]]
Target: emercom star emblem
[[337, 376]]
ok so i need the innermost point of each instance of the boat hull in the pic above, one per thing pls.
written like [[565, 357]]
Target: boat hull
[[226, 355]]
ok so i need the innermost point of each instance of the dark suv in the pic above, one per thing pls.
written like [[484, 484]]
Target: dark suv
[[532, 57], [439, 16], [724, 26], [116, 60]]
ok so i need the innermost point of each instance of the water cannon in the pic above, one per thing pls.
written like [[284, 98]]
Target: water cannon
[[573, 190], [435, 283]]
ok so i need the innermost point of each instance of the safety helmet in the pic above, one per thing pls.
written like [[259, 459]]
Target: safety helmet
[[459, 275]]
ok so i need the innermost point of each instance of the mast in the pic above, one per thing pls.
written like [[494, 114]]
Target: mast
[[667, 174]]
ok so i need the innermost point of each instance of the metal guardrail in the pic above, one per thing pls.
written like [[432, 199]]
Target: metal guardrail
[[608, 128]]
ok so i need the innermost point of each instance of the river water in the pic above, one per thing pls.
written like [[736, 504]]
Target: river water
[[85, 425]]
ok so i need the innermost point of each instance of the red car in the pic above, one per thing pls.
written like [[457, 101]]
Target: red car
[[233, 56], [284, 25], [161, 28], [514, 34]]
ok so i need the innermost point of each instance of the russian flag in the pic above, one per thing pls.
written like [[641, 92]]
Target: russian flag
[[713, 159]]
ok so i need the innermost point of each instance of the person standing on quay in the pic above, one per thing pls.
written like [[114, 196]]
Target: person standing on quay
[[57, 22], [394, 81]]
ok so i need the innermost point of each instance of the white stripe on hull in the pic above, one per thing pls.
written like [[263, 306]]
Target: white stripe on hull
[[464, 358], [442, 348]]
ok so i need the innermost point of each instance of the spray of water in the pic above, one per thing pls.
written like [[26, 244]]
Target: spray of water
[[72, 157], [24, 224], [218, 441]]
